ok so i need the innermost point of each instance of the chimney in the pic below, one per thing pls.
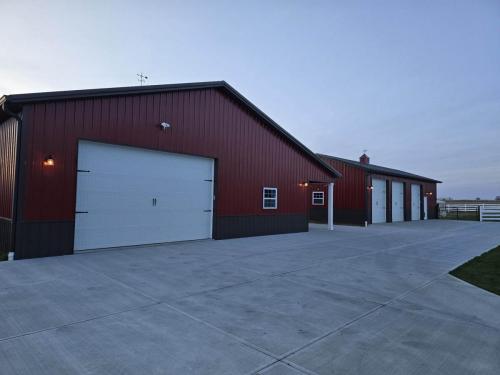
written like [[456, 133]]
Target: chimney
[[364, 159]]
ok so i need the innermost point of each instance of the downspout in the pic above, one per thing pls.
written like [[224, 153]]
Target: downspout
[[330, 205], [19, 119], [367, 193]]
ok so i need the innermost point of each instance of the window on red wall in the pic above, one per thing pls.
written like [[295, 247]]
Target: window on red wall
[[318, 198], [270, 198]]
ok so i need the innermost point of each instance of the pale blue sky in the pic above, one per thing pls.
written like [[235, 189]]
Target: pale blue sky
[[417, 83]]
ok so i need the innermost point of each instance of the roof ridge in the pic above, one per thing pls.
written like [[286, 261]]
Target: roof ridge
[[381, 168]]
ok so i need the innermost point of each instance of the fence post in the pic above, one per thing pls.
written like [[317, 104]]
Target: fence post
[[481, 212]]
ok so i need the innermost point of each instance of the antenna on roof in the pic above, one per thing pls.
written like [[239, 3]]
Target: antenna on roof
[[142, 78]]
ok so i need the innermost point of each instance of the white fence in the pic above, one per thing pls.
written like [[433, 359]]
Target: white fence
[[470, 211], [489, 212], [461, 207]]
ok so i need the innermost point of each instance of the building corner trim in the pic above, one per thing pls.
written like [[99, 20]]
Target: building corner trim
[[15, 206]]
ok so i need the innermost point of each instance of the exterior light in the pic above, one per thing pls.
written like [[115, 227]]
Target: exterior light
[[304, 184], [429, 194], [369, 188], [48, 161], [165, 125]]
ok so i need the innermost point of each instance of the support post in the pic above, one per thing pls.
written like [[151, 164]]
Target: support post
[[330, 206]]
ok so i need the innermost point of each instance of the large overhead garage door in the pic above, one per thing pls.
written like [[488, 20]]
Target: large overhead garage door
[[131, 196], [398, 208], [415, 202], [379, 199]]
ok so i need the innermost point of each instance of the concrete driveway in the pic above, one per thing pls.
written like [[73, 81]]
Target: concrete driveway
[[374, 300]]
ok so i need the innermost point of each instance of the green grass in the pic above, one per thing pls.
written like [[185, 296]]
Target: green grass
[[482, 271], [3, 256], [461, 216]]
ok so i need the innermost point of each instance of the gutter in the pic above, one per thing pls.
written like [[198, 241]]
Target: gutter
[[19, 119]]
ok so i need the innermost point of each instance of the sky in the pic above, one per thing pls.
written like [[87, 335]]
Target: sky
[[416, 83]]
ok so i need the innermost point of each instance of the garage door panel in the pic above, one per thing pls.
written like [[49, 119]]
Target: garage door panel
[[130, 236], [93, 199], [379, 201], [108, 218], [135, 196], [113, 160], [109, 158], [100, 182], [415, 202], [397, 201], [198, 193]]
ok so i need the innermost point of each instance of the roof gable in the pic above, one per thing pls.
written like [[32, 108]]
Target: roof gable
[[15, 103]]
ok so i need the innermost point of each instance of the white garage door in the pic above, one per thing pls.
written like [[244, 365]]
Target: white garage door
[[131, 196], [415, 202], [379, 199], [398, 208]]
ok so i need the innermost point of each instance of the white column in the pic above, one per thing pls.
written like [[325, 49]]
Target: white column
[[330, 206]]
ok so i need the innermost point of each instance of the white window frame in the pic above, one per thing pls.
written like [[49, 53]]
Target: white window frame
[[322, 198], [264, 198]]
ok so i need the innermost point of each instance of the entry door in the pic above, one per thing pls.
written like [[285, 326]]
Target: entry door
[[425, 208], [379, 201], [398, 207], [415, 202], [132, 196]]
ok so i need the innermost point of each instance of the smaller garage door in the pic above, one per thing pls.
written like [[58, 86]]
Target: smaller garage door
[[379, 199], [398, 208], [415, 202]]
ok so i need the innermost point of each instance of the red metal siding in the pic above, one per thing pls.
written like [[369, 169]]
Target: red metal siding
[[353, 203], [426, 187], [205, 122], [318, 213], [8, 147], [350, 189], [430, 187], [349, 196]]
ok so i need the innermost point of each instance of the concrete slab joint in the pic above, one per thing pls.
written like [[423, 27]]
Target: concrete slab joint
[[373, 300]]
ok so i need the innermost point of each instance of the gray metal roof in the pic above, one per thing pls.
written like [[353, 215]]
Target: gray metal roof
[[372, 168]]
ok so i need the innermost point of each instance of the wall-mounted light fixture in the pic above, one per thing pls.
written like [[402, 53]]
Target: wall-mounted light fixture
[[165, 125], [48, 161], [304, 184], [429, 194], [369, 187]]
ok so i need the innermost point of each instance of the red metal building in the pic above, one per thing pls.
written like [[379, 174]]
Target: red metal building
[[69, 159], [369, 193]]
